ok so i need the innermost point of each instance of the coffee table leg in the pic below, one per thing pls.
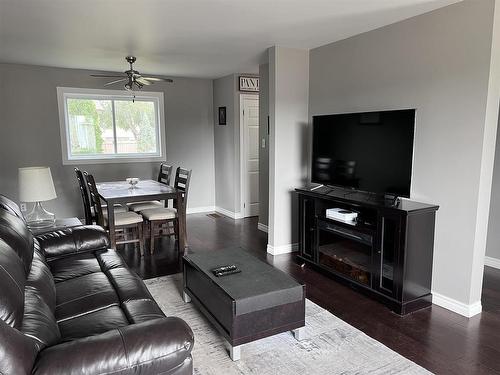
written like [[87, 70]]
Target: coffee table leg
[[299, 333], [186, 297], [234, 351]]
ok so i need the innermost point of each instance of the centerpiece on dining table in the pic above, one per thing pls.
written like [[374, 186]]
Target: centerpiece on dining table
[[133, 181]]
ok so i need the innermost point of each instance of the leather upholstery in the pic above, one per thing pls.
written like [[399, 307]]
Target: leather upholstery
[[73, 240], [70, 305], [138, 348]]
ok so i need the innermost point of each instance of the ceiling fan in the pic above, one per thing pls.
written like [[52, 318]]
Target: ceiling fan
[[132, 78]]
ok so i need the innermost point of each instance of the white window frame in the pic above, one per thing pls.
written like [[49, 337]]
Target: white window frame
[[63, 93]]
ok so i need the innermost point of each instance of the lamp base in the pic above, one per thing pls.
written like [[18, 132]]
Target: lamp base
[[39, 217]]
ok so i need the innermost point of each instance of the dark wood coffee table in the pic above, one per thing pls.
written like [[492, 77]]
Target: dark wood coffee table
[[260, 301]]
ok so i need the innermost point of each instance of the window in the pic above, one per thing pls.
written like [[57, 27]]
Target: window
[[110, 125]]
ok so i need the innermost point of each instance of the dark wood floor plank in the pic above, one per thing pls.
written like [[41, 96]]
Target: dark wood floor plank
[[435, 338]]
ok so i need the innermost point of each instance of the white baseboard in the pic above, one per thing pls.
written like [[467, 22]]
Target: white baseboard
[[282, 249], [231, 214], [457, 306], [200, 210], [263, 227], [492, 262]]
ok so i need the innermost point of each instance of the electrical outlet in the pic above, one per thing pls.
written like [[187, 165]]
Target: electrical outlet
[[23, 207]]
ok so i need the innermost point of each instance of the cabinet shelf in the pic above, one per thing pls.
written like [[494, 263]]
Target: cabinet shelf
[[364, 228]]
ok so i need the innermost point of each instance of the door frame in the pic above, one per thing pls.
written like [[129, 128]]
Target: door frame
[[243, 165]]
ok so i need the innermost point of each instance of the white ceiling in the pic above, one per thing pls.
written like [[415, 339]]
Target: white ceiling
[[196, 38]]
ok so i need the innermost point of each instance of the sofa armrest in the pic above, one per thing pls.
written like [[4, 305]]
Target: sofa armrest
[[151, 347], [73, 240]]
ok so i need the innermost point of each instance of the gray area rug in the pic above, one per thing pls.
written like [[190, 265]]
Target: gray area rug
[[331, 345]]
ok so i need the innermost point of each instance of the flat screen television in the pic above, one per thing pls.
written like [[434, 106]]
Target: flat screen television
[[368, 151]]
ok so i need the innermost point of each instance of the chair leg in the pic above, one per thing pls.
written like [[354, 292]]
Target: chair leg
[[152, 236], [176, 229], [141, 238]]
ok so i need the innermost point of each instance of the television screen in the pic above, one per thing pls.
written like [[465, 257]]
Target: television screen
[[370, 151]]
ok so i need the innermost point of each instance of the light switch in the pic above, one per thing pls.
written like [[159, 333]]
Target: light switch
[[263, 143]]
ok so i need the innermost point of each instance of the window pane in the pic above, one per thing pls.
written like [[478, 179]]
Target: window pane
[[90, 126], [135, 126]]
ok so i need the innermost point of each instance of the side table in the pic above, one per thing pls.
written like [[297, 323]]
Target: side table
[[59, 224]]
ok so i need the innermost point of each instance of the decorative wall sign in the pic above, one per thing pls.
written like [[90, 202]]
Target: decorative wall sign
[[249, 84], [222, 115]]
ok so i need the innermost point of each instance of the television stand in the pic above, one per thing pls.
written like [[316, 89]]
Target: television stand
[[387, 253]]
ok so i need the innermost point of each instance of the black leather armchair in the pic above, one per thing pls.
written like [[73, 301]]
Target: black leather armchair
[[70, 305]]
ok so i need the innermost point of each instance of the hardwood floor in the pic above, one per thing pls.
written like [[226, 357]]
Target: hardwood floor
[[435, 338]]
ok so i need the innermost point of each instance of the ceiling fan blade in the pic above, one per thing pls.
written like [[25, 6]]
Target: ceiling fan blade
[[107, 75], [143, 81], [117, 81], [158, 79]]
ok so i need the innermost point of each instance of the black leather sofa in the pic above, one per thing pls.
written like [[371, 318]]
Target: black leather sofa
[[69, 305]]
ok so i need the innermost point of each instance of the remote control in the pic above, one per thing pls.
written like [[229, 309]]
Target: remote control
[[225, 273], [225, 270]]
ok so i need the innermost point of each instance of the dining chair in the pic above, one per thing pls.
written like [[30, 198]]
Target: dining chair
[[89, 220], [164, 176], [90, 215], [123, 220], [163, 221]]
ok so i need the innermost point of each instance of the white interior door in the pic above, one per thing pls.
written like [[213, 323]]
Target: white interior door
[[250, 154]]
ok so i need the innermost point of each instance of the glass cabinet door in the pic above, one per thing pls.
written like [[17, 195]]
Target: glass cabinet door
[[389, 249], [307, 228]]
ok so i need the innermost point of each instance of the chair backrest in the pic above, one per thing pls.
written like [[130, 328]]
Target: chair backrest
[[85, 196], [182, 178], [95, 201], [165, 173]]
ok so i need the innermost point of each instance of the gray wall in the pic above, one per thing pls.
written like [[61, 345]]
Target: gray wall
[[438, 63], [288, 110], [493, 245], [264, 151], [30, 135], [224, 142], [227, 144]]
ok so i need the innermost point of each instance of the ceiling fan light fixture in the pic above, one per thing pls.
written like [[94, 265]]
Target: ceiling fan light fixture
[[133, 76]]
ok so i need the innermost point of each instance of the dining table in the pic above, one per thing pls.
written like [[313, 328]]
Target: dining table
[[121, 192]]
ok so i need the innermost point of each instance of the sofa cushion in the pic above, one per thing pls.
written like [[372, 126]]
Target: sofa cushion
[[12, 281], [96, 283], [160, 346], [72, 267], [142, 310], [83, 295], [110, 259], [16, 234], [93, 323], [74, 240], [127, 284], [17, 351], [39, 322], [40, 280], [10, 206]]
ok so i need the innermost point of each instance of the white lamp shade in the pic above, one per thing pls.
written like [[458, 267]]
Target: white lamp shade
[[36, 185]]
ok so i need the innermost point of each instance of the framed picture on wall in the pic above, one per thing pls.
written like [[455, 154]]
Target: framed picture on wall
[[222, 115]]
